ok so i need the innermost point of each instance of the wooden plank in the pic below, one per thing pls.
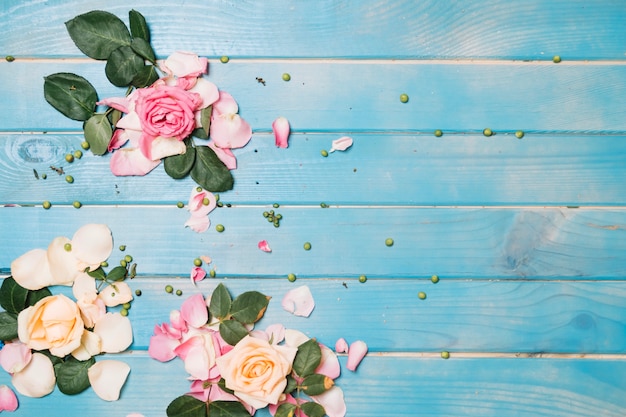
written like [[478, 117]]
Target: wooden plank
[[467, 243], [362, 96], [361, 29], [483, 387], [381, 169]]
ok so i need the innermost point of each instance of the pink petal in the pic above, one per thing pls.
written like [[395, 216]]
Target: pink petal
[[130, 122], [177, 323], [226, 104], [341, 144], [225, 155], [162, 347], [197, 274], [341, 346], [264, 246], [207, 91], [276, 333], [8, 400], [183, 64], [118, 103], [14, 357], [281, 132], [332, 401], [118, 140], [131, 161], [356, 353], [329, 365], [198, 224], [229, 130], [135, 415], [194, 311], [196, 204], [299, 301]]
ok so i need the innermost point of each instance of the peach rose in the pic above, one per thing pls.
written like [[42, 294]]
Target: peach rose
[[52, 323], [256, 370]]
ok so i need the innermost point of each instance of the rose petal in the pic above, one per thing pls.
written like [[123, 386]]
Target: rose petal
[[225, 155], [116, 294], [135, 415], [92, 244], [276, 333], [226, 104], [92, 308], [194, 311], [64, 266], [299, 301], [15, 356], [115, 331], [90, 345], [183, 64], [264, 246], [295, 338], [341, 346], [118, 103], [207, 91], [163, 147], [131, 161], [196, 204], [230, 131], [107, 378], [130, 123], [162, 347], [333, 402], [31, 270], [37, 379], [83, 284], [341, 144], [356, 353], [118, 140], [329, 365], [281, 132], [197, 274], [8, 400], [198, 224]]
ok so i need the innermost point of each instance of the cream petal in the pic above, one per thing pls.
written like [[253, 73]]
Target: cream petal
[[83, 284], [162, 147], [64, 266], [107, 378], [295, 338], [341, 144], [299, 301], [90, 345], [37, 379], [31, 270], [207, 90], [115, 331], [116, 294], [92, 244]]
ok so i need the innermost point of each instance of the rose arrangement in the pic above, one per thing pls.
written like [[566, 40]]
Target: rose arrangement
[[170, 112], [52, 339], [235, 369]]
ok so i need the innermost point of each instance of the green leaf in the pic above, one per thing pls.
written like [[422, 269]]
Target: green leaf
[[143, 49], [54, 359], [199, 133], [249, 307], [33, 296], [313, 409], [12, 296], [145, 77], [98, 133], [222, 384], [285, 410], [98, 33], [8, 326], [123, 66], [292, 384], [205, 119], [114, 116], [119, 273], [308, 358], [227, 409], [219, 306], [210, 172], [70, 94], [232, 331], [179, 166], [72, 375], [186, 406], [316, 384], [97, 274], [138, 26]]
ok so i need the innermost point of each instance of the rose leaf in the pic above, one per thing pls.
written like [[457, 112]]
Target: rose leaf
[[308, 358], [221, 301], [118, 273], [8, 326], [249, 307], [98, 33], [122, 66], [232, 331], [145, 77], [98, 133], [12, 296], [179, 166], [34, 296], [227, 409], [186, 406], [138, 26], [210, 172], [285, 410], [316, 384], [312, 409], [143, 49], [72, 375], [70, 94], [205, 119]]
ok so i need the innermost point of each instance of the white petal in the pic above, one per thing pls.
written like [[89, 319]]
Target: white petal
[[37, 379], [299, 301], [31, 270], [92, 244], [107, 378], [116, 294], [162, 147], [64, 266], [332, 401], [295, 338], [90, 345], [341, 144], [207, 90], [83, 284], [115, 331]]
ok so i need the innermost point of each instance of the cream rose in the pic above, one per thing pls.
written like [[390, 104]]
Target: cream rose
[[52, 323], [256, 370]]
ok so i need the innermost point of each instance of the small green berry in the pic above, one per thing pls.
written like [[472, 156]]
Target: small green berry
[[291, 277], [138, 293], [179, 292], [434, 279], [219, 228], [205, 201], [198, 189], [124, 312], [69, 158], [122, 248], [307, 246], [421, 295], [219, 204], [78, 154], [438, 133], [104, 264], [224, 59], [362, 278], [487, 132], [169, 289], [46, 204], [126, 306], [69, 179], [10, 58], [404, 98], [123, 263], [276, 224], [84, 145], [556, 59], [323, 205], [445, 354], [324, 153], [77, 204], [212, 273], [128, 258], [286, 77], [389, 241], [67, 247], [197, 262], [275, 205], [44, 176], [519, 134], [279, 216], [266, 214], [180, 204]]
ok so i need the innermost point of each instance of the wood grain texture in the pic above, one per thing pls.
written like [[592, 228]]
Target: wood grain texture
[[358, 29], [348, 242], [359, 96], [379, 169]]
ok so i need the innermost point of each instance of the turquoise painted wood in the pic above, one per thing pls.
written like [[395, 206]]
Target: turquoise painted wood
[[527, 235]]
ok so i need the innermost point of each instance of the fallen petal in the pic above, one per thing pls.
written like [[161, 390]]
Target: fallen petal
[[276, 333], [264, 246], [281, 132], [198, 224], [356, 353], [329, 365], [341, 346], [135, 415], [162, 147], [131, 161], [90, 345], [107, 378], [225, 155], [295, 338], [8, 400], [63, 264], [332, 401], [31, 270], [15, 356], [115, 331], [92, 244], [83, 284], [207, 91], [37, 379], [116, 294], [230, 131], [341, 144], [299, 301], [197, 274], [194, 311], [226, 104], [183, 64], [118, 140], [162, 347]]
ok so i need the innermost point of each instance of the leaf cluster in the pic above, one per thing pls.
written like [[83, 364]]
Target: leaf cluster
[[187, 406]]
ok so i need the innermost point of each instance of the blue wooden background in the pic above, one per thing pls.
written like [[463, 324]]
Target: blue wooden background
[[527, 235]]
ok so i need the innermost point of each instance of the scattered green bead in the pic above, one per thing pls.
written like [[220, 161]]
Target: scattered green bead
[[434, 279], [307, 246], [279, 216], [67, 247], [205, 201], [275, 205], [138, 293], [77, 204], [198, 189], [362, 278], [324, 153], [212, 273], [219, 204], [169, 289], [445, 354], [124, 312], [180, 204], [291, 277], [276, 224], [286, 77], [519, 134], [78, 154], [224, 59], [179, 292], [84, 145], [123, 263], [122, 248], [104, 264], [438, 133], [219, 228], [487, 132], [404, 98], [266, 214], [126, 306], [69, 158], [69, 179], [128, 258], [323, 205], [389, 241], [10, 58], [421, 295], [46, 204], [44, 176], [197, 262], [556, 59]]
